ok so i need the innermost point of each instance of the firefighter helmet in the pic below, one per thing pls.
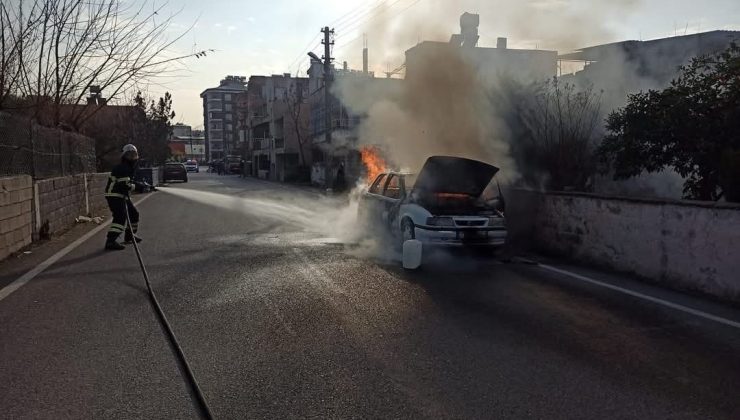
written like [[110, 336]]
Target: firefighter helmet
[[130, 152]]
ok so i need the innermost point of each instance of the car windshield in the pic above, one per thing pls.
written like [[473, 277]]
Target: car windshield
[[407, 209]]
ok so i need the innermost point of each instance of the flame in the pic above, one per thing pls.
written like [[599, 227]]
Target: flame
[[374, 163]]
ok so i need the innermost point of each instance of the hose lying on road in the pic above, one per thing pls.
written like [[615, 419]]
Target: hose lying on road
[[200, 400]]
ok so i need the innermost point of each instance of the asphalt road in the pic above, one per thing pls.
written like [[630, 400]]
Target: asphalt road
[[284, 313]]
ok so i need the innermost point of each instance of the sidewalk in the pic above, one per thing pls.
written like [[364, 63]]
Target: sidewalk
[[21, 262]]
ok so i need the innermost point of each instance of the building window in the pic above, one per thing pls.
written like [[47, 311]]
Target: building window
[[228, 117], [227, 97], [217, 125], [229, 127], [227, 107], [214, 96]]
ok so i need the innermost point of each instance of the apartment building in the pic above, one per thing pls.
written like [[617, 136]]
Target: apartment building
[[620, 68], [277, 127], [220, 110], [186, 143]]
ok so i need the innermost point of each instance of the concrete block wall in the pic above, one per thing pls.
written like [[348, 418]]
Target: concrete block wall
[[16, 197], [683, 244], [60, 200], [96, 190]]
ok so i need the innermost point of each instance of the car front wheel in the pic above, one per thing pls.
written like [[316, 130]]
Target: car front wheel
[[408, 231]]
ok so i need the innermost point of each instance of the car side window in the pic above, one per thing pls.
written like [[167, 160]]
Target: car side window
[[393, 187], [377, 185]]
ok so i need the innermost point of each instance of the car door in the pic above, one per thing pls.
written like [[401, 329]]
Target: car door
[[392, 194], [371, 205]]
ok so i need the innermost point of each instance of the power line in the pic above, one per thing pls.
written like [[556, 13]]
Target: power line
[[347, 26], [412, 4], [346, 17], [349, 15]]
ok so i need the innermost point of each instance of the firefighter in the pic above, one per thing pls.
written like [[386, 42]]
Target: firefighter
[[120, 184]]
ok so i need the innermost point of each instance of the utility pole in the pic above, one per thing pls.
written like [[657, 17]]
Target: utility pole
[[328, 42]]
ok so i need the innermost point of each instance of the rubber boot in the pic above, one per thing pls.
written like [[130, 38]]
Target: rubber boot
[[129, 239], [112, 245]]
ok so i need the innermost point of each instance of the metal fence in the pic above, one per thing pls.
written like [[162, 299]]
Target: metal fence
[[29, 149]]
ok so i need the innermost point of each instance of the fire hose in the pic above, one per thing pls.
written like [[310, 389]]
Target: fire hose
[[200, 400]]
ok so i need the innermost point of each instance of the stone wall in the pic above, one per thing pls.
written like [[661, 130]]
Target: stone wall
[[684, 244], [16, 195]]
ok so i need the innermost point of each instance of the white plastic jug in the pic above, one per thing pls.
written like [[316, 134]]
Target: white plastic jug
[[412, 254]]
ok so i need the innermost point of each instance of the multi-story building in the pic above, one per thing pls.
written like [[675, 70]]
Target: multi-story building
[[336, 144], [277, 127], [186, 143], [489, 63], [625, 67], [220, 117]]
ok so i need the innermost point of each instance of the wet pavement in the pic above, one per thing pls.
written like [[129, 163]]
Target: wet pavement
[[285, 312]]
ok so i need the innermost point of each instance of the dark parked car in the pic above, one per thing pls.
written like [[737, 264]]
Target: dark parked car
[[233, 164], [174, 171]]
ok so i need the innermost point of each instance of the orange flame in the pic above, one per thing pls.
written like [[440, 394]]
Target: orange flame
[[374, 163]]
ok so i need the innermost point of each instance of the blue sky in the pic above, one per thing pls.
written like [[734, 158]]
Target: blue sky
[[270, 37]]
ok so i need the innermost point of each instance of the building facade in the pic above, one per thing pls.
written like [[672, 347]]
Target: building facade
[[336, 144], [621, 68], [186, 143], [277, 127], [220, 110]]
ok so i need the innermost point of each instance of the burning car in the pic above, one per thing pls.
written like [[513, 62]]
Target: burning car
[[442, 205]]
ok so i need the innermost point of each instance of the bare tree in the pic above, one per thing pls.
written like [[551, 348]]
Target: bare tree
[[560, 124], [297, 108], [52, 52]]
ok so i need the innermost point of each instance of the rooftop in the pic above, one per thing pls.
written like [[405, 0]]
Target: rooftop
[[598, 52]]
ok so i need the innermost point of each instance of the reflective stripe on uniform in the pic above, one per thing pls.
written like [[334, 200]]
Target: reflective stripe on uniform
[[114, 180], [115, 195], [115, 227]]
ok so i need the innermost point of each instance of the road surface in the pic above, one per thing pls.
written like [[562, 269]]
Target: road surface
[[283, 313]]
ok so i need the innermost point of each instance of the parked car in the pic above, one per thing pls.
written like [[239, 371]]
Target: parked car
[[232, 164], [192, 166], [174, 171], [442, 205]]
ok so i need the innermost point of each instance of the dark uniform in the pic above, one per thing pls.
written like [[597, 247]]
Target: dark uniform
[[120, 184]]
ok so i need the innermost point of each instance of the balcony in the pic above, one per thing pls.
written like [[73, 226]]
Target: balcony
[[215, 106], [214, 134], [262, 143]]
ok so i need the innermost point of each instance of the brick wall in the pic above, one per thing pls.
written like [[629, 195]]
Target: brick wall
[[16, 195]]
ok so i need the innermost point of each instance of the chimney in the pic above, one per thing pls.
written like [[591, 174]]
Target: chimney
[[364, 60], [501, 43]]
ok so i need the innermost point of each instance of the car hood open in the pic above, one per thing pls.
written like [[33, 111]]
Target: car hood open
[[448, 174]]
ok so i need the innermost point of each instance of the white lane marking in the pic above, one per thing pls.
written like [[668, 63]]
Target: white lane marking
[[22, 280], [666, 303]]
